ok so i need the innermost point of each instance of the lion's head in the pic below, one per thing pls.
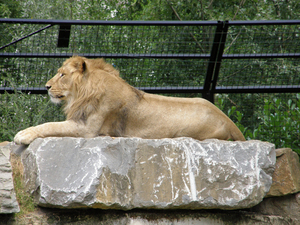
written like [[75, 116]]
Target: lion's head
[[78, 84], [61, 85]]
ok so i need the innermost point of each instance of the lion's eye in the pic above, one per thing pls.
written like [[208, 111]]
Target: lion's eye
[[62, 74]]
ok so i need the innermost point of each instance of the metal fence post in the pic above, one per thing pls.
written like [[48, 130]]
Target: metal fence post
[[215, 59]]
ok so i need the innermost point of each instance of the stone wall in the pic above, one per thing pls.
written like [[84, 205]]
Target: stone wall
[[8, 201], [138, 181]]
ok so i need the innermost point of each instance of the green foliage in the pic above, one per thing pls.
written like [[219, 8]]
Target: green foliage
[[278, 122], [24, 198], [10, 9], [66, 9], [151, 9], [19, 111], [265, 118], [206, 10]]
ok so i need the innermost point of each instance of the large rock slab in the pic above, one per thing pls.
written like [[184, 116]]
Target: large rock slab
[[126, 173], [8, 201]]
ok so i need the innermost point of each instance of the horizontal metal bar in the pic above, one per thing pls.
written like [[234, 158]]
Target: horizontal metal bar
[[149, 23], [171, 89], [228, 89], [111, 22], [218, 90], [263, 22], [105, 55], [164, 56], [259, 89], [31, 90], [261, 55]]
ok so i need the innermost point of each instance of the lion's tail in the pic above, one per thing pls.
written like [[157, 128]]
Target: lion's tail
[[237, 135]]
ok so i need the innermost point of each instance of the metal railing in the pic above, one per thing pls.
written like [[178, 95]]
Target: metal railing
[[214, 58], [242, 65]]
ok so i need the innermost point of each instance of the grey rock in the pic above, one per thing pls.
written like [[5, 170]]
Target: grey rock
[[8, 201], [127, 173], [287, 206]]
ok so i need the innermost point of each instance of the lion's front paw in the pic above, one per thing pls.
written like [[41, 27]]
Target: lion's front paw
[[26, 136]]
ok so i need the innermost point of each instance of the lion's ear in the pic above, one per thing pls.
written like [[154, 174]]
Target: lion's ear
[[83, 66], [79, 64]]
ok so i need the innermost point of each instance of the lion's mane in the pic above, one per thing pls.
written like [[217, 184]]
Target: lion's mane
[[90, 80]]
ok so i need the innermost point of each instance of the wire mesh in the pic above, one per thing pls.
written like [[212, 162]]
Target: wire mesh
[[259, 72], [263, 39], [110, 40], [258, 83]]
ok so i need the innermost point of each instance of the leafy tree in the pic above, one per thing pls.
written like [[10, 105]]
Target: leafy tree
[[278, 122], [10, 9], [252, 112]]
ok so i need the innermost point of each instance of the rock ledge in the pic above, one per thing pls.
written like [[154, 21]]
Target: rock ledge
[[127, 173]]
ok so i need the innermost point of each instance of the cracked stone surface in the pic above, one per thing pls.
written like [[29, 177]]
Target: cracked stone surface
[[127, 173], [8, 201]]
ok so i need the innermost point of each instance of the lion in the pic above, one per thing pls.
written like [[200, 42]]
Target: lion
[[98, 102]]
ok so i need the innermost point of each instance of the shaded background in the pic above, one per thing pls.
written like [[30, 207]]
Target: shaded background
[[258, 80]]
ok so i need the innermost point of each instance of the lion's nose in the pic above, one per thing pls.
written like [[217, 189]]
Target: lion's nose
[[48, 87]]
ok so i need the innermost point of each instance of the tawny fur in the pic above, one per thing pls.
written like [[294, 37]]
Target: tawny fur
[[98, 102]]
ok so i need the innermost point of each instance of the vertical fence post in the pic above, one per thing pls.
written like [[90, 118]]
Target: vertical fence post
[[64, 36], [215, 59]]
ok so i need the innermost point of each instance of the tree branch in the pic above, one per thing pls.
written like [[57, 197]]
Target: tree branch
[[232, 42], [189, 32], [240, 6], [211, 2]]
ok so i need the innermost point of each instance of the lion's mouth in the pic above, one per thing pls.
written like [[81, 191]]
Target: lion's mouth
[[56, 96]]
